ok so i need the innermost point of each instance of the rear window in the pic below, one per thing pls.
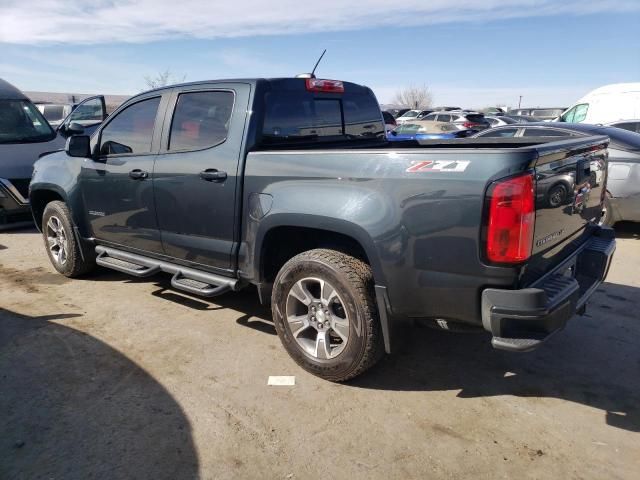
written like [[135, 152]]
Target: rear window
[[304, 117], [475, 117], [631, 126], [620, 138]]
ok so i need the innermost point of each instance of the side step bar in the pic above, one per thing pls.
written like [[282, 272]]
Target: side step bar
[[184, 278]]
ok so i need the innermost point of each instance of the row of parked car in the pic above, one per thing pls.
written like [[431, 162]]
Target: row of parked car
[[612, 110]]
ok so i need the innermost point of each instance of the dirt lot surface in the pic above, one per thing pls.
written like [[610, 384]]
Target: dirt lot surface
[[110, 377]]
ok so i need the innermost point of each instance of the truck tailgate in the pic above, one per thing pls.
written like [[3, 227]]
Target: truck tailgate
[[570, 184]]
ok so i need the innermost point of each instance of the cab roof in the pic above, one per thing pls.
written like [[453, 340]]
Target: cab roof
[[284, 83], [9, 92]]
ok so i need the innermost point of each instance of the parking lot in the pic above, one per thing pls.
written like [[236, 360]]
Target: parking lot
[[114, 377]]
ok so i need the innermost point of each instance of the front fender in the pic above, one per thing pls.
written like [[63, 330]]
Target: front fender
[[56, 176]]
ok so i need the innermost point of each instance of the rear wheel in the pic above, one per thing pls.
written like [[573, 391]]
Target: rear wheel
[[325, 313], [61, 244]]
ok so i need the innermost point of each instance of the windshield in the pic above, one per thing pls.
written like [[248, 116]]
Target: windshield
[[22, 122], [411, 114]]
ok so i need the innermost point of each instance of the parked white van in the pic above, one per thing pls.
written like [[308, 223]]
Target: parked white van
[[618, 101]]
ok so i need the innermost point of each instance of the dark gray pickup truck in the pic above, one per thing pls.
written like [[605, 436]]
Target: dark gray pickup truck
[[290, 185]]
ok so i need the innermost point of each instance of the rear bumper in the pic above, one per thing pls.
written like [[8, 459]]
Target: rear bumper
[[520, 320]]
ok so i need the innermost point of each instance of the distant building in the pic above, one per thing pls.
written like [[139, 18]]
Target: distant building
[[112, 101]]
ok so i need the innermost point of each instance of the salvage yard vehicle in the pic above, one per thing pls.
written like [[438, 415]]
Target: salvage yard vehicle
[[462, 119], [411, 115], [290, 185], [55, 113], [540, 114], [622, 202], [24, 136], [631, 125], [426, 130], [610, 103]]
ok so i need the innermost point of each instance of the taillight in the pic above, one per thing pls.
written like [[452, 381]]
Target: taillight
[[329, 86], [471, 125], [511, 219]]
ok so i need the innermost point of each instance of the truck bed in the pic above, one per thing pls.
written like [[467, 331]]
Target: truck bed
[[420, 210]]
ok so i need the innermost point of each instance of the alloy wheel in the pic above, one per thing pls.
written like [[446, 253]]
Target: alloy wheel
[[57, 240], [317, 318]]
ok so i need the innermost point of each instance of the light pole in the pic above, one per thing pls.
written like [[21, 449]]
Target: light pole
[[519, 101]]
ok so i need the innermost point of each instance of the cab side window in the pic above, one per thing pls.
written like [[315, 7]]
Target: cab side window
[[200, 120], [131, 130], [544, 132]]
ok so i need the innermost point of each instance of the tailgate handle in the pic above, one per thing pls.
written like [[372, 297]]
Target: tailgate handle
[[213, 175]]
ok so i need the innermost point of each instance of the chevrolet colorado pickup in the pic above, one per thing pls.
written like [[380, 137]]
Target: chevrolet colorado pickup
[[289, 185]]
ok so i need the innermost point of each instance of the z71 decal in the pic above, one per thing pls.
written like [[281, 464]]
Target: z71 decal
[[438, 166]]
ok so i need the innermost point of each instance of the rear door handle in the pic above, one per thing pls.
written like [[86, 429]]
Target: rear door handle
[[213, 175], [138, 174]]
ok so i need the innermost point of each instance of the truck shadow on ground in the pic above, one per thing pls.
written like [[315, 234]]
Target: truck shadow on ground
[[72, 407], [595, 361], [254, 315]]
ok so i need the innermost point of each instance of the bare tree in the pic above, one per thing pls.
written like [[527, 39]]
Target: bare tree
[[414, 97], [162, 79]]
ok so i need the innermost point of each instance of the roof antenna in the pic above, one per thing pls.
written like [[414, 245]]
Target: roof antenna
[[312, 74], [317, 63]]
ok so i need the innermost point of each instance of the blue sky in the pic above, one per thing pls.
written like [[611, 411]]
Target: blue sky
[[549, 51]]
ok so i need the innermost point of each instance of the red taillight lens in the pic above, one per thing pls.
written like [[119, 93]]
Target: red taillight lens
[[330, 86], [511, 220], [471, 124]]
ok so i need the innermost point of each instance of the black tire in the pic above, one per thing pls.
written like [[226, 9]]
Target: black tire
[[352, 280], [557, 195], [57, 213]]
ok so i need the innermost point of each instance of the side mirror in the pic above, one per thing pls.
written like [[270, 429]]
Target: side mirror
[[78, 146]]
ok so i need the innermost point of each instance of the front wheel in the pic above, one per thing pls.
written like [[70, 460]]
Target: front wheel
[[61, 244], [325, 314]]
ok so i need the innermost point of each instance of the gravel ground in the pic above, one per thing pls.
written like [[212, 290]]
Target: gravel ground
[[113, 377]]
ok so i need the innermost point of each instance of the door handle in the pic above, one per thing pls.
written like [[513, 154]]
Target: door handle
[[213, 175], [138, 174]]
